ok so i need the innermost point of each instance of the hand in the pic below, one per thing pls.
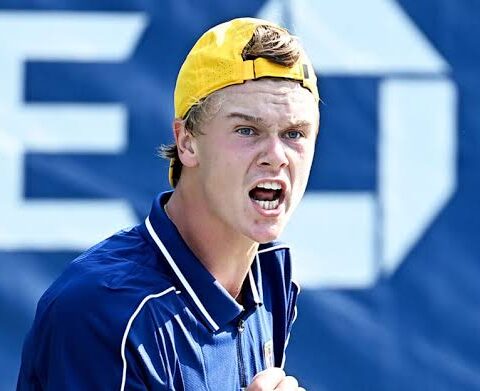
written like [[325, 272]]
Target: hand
[[274, 379]]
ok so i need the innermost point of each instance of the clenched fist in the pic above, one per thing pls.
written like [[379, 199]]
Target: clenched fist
[[274, 379]]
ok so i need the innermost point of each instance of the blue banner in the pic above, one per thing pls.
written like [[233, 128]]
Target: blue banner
[[386, 238]]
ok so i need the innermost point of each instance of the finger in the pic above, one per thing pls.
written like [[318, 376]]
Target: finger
[[301, 389], [288, 383], [267, 379]]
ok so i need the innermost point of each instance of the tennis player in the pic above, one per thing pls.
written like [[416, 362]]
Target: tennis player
[[199, 296]]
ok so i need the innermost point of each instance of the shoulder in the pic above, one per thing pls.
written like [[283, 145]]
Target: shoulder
[[84, 317], [105, 286]]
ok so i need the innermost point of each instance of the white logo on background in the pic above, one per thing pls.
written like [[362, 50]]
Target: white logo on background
[[348, 239], [53, 128]]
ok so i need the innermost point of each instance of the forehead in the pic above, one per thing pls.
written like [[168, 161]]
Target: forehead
[[271, 99]]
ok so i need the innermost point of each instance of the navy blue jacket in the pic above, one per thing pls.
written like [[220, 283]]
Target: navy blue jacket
[[139, 312]]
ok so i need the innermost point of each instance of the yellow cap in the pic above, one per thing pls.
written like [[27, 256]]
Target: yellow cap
[[215, 62]]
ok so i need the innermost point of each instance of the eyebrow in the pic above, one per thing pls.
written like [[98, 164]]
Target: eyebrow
[[259, 120], [246, 117]]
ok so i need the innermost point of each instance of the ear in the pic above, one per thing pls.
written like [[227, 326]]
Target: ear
[[186, 144]]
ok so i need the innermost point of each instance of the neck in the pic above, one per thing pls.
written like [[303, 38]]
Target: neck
[[226, 254]]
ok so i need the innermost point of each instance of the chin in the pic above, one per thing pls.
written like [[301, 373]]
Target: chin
[[265, 235]]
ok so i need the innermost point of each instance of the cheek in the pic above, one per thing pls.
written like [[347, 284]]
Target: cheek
[[303, 159], [223, 166], [308, 154], [299, 175], [235, 154]]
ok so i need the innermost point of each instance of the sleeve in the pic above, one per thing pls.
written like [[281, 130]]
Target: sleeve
[[75, 344], [151, 354]]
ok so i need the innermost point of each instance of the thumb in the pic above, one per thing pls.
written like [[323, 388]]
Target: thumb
[[268, 379]]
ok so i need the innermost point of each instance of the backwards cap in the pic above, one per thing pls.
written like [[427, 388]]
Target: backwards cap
[[215, 62]]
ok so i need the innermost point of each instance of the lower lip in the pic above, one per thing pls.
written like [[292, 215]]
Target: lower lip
[[268, 212]]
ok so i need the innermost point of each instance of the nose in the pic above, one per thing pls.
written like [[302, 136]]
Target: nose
[[273, 153]]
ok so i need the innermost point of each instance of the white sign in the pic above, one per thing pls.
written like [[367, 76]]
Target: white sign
[[52, 128], [349, 239]]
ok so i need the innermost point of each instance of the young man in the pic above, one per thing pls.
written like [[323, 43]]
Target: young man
[[198, 297]]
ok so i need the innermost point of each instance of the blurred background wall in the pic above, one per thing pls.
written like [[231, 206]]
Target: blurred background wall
[[387, 237]]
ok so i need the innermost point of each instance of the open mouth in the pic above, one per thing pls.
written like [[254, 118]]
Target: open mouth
[[268, 195]]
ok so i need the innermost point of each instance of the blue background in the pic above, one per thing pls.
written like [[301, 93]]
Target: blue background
[[417, 329]]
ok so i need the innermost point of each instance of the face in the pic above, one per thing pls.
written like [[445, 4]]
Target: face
[[254, 157]]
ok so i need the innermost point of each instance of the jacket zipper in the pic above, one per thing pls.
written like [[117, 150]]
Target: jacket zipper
[[241, 364]]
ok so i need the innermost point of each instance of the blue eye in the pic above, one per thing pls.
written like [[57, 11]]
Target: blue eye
[[293, 134], [245, 131]]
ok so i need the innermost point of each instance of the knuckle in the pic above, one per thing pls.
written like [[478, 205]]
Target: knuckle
[[292, 381], [267, 379]]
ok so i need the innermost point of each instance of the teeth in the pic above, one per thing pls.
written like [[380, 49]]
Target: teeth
[[270, 185], [268, 205]]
